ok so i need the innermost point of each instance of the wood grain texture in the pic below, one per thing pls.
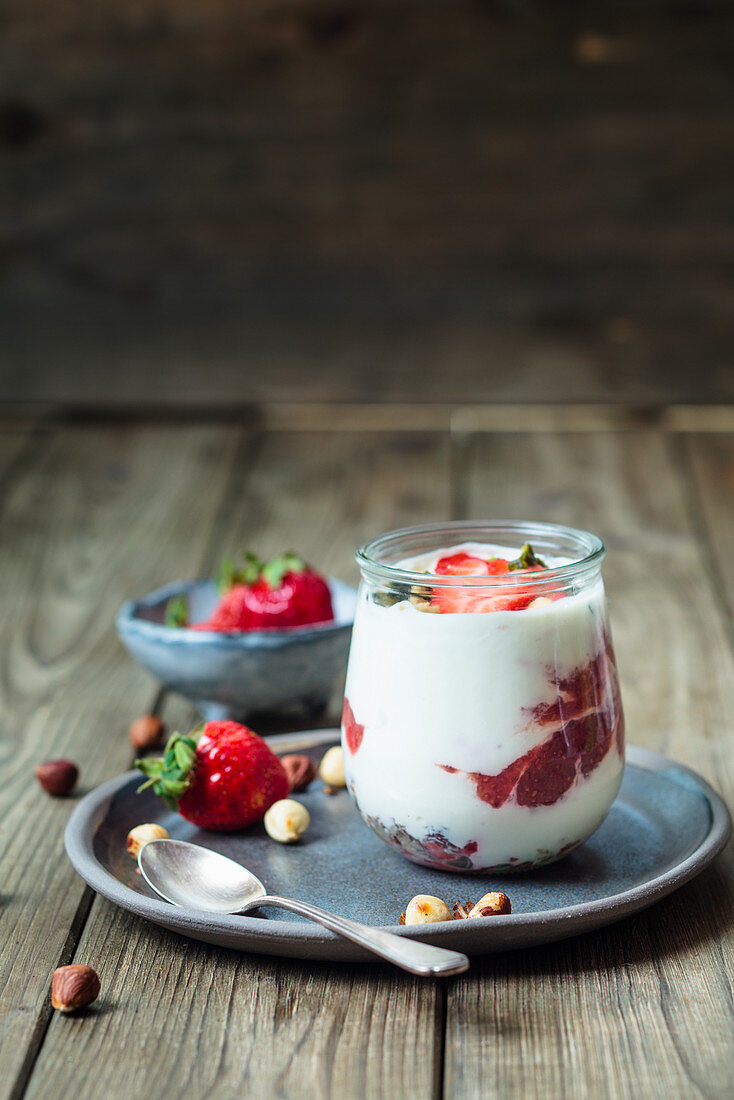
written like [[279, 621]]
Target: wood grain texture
[[452, 201], [95, 516], [244, 1025], [710, 463], [643, 1008]]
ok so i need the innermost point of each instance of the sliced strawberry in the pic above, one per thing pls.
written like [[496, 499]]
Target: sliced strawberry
[[463, 600], [353, 732], [462, 565]]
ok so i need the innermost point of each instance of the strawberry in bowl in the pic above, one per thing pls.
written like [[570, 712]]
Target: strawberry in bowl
[[274, 595], [264, 636]]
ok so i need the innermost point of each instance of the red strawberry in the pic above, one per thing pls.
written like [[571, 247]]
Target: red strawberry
[[463, 600], [225, 781], [462, 565], [282, 593]]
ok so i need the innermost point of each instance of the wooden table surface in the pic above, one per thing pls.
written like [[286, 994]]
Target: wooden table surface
[[96, 511]]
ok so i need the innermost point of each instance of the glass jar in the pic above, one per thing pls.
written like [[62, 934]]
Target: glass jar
[[482, 724]]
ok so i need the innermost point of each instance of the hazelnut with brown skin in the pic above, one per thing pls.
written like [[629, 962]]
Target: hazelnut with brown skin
[[147, 732], [74, 987], [57, 777], [300, 771], [491, 905]]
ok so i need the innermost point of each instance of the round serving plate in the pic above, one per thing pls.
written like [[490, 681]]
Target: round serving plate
[[666, 825]]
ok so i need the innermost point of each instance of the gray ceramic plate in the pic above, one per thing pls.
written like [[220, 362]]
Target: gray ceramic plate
[[666, 825]]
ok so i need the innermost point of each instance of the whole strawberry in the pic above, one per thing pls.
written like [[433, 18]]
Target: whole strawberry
[[281, 593], [223, 779]]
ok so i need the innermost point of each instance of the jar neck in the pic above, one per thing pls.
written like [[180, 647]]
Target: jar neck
[[579, 553]]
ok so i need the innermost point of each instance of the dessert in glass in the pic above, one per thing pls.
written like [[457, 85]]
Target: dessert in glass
[[482, 725]]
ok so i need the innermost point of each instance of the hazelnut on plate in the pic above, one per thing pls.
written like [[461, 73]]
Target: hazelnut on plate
[[491, 905], [425, 909], [138, 837], [331, 768], [300, 770], [286, 820]]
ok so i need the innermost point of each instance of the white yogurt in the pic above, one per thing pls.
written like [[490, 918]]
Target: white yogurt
[[458, 690]]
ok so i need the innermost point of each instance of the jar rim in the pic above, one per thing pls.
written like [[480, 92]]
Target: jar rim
[[542, 535]]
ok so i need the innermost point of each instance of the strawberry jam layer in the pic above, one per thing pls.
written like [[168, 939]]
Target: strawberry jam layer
[[585, 719]]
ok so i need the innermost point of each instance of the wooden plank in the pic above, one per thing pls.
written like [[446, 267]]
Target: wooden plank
[[710, 460], [643, 1008], [96, 516], [240, 1024], [370, 173]]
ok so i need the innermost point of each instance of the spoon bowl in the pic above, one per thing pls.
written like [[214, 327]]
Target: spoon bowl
[[195, 878]]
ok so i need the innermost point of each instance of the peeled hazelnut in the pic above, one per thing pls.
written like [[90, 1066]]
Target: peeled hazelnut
[[286, 820], [147, 732], [141, 834], [73, 987], [331, 768], [58, 777], [425, 909], [491, 905], [300, 771]]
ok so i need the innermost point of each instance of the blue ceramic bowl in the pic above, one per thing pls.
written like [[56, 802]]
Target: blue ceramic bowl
[[233, 675]]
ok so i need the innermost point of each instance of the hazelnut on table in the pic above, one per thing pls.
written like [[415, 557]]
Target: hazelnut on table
[[57, 777], [73, 987], [147, 732]]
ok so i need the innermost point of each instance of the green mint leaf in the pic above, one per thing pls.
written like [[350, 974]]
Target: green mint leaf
[[527, 558]]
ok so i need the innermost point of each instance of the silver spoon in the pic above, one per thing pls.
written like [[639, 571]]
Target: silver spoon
[[195, 878]]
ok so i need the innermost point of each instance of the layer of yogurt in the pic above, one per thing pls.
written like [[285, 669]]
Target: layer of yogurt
[[443, 696]]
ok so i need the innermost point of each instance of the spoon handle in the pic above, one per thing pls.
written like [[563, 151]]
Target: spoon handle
[[411, 955]]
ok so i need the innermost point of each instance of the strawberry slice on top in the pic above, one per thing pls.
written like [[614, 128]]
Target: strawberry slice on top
[[464, 600]]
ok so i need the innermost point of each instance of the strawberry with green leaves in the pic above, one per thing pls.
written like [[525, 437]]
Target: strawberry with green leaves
[[258, 595], [222, 777]]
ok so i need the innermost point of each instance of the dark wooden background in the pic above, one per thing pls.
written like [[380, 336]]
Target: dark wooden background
[[210, 202]]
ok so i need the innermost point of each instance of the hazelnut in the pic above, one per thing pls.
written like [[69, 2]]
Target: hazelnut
[[286, 820], [58, 777], [147, 732], [73, 987], [138, 837], [300, 771], [491, 905], [422, 603], [331, 768], [425, 909]]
